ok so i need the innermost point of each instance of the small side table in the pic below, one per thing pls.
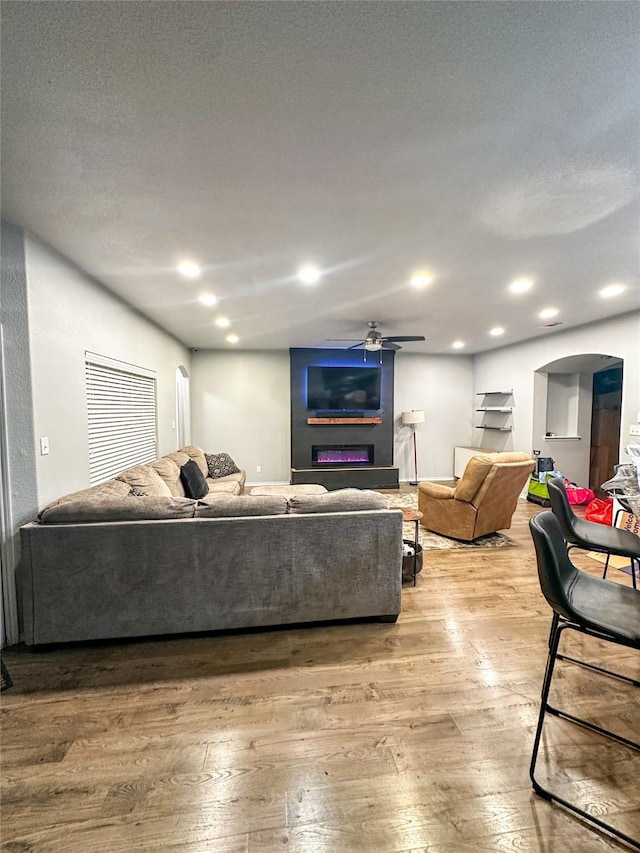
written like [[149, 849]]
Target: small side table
[[410, 514]]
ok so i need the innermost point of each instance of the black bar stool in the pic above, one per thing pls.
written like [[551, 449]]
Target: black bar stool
[[590, 536], [592, 606]]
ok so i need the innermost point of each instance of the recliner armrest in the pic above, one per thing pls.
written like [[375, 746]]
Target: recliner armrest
[[435, 490]]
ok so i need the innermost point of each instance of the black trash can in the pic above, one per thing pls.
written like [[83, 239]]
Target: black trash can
[[407, 562]]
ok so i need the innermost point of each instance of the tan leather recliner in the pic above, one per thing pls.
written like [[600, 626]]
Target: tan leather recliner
[[484, 499]]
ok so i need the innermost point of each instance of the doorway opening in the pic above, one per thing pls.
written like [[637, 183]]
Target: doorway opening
[[605, 424], [577, 416], [183, 408]]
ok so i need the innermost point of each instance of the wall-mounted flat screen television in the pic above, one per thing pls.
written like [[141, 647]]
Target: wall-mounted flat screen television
[[343, 388]]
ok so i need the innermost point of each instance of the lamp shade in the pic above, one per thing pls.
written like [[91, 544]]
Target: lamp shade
[[413, 417]]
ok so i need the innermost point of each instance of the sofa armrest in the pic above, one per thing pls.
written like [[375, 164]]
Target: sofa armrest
[[229, 483]]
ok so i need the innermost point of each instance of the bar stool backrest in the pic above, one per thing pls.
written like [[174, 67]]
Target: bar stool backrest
[[556, 572], [562, 510]]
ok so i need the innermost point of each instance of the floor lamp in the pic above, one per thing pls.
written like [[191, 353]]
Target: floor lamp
[[411, 419]]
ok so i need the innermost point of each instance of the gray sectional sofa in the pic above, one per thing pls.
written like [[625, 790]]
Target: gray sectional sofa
[[111, 563]]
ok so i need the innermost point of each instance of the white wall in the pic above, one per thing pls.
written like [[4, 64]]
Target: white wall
[[442, 386], [18, 483], [515, 366], [69, 313], [18, 437], [240, 404]]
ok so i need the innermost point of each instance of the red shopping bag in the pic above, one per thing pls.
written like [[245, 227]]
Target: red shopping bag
[[600, 511], [578, 494]]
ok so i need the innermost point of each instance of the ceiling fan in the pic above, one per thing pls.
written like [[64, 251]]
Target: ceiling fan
[[375, 340]]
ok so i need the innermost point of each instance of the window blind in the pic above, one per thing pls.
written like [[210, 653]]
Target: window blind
[[121, 404]]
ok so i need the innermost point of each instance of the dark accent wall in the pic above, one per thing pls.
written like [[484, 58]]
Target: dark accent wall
[[304, 435]]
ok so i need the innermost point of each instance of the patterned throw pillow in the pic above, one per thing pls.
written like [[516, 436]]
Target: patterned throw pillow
[[220, 465], [138, 493]]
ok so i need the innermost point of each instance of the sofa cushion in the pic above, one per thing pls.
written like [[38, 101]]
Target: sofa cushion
[[146, 478], [225, 506], [108, 489], [169, 472], [75, 509], [178, 456], [220, 465], [195, 485], [290, 491], [180, 459], [197, 454], [342, 500]]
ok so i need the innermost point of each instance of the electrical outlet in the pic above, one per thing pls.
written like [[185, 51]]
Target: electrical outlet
[[634, 429], [44, 446], [258, 469]]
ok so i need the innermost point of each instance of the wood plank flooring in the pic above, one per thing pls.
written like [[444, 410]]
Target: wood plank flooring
[[330, 739]]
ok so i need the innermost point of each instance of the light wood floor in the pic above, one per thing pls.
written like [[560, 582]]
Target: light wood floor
[[362, 737]]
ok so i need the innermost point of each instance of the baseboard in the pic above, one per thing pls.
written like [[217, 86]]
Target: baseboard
[[428, 479]]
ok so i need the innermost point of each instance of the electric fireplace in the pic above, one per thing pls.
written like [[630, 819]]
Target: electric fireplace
[[341, 455]]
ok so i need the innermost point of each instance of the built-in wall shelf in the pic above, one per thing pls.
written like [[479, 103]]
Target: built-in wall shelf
[[344, 420], [562, 438], [495, 418]]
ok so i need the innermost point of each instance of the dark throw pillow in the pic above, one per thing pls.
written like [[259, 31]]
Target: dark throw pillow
[[195, 485], [220, 465]]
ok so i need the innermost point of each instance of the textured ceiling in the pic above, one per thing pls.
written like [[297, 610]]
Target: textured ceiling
[[480, 141]]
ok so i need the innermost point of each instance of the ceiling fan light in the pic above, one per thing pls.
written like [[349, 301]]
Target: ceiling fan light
[[373, 346]]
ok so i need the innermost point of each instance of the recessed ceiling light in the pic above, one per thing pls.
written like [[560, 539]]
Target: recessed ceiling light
[[612, 290], [189, 269], [421, 279], [233, 338], [457, 344], [309, 274], [548, 313], [223, 322], [208, 299], [521, 285], [496, 331]]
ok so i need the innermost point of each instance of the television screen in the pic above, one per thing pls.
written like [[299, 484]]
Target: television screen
[[343, 388]]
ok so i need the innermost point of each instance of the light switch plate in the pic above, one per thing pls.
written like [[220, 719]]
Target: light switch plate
[[44, 446], [634, 429]]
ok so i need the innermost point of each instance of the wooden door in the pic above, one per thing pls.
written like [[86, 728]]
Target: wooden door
[[605, 426]]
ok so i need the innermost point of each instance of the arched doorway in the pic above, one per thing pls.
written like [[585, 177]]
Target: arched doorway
[[577, 415], [183, 407]]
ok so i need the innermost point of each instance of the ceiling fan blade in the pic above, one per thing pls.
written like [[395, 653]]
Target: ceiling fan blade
[[355, 346], [405, 338], [344, 340], [389, 345]]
